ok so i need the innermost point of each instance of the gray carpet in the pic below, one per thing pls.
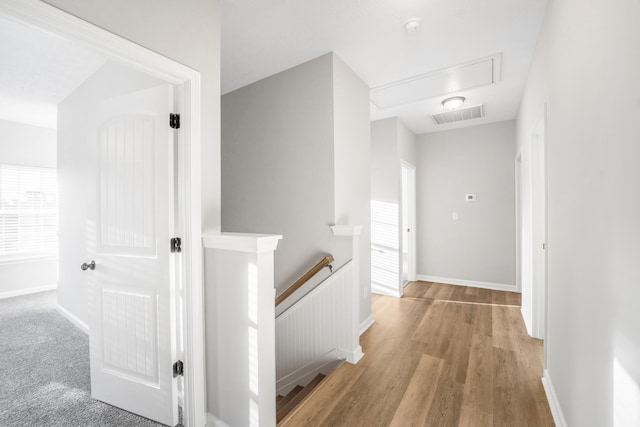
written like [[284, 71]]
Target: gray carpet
[[44, 368]]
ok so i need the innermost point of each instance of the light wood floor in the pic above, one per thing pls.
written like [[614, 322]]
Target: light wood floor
[[440, 356]]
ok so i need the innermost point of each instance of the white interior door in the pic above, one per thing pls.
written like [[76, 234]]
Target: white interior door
[[132, 341]]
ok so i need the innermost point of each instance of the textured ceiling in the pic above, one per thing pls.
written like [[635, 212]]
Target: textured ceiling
[[38, 71], [263, 37]]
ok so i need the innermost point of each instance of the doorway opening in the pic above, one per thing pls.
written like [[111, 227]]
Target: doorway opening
[[532, 235], [187, 322]]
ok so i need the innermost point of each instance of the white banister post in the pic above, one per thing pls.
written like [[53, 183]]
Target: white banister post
[[353, 231], [240, 328]]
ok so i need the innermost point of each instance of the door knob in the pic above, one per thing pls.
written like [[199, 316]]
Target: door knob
[[90, 266]]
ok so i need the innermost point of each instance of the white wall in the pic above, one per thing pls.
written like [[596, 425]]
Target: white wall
[[480, 246], [27, 145], [391, 143], [296, 152], [588, 78], [188, 33], [76, 180]]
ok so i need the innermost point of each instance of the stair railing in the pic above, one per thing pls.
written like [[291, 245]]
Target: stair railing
[[325, 262]]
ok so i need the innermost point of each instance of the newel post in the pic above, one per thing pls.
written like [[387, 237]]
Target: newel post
[[240, 328], [353, 232]]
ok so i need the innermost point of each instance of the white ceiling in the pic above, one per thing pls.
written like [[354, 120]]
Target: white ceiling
[[37, 71], [264, 37]]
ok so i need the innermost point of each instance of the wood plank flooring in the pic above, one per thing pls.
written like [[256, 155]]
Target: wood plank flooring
[[440, 356]]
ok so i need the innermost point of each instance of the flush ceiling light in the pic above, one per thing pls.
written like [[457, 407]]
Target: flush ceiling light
[[412, 25], [453, 102]]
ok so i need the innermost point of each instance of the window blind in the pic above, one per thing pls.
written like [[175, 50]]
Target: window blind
[[28, 211]]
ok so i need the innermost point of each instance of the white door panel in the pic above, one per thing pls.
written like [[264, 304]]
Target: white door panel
[[132, 344]]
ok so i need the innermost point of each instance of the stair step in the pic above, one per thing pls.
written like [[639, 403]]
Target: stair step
[[324, 398], [284, 400], [283, 409]]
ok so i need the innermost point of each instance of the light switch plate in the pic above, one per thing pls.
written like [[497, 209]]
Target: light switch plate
[[470, 197]]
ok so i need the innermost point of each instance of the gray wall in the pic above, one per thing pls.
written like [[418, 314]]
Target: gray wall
[[352, 163], [588, 78], [278, 171], [480, 245], [296, 155], [385, 177], [406, 144]]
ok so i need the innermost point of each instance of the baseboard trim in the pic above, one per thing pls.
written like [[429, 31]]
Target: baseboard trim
[[554, 403], [20, 292], [387, 292], [366, 324], [73, 319], [213, 421], [470, 283]]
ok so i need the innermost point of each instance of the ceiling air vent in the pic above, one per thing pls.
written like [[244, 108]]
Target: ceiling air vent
[[458, 115]]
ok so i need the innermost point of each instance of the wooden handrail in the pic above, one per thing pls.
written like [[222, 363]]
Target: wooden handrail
[[301, 281]]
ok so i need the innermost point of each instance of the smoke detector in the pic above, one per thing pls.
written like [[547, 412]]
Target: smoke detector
[[412, 24]]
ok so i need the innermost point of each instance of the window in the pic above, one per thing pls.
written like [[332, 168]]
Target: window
[[28, 211]]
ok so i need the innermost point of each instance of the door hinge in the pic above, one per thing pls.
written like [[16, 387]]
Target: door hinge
[[178, 369], [174, 120], [176, 244]]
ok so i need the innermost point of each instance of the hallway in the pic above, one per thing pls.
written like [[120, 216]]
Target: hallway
[[442, 356]]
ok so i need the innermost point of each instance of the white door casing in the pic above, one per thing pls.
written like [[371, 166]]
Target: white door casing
[[50, 19], [518, 220], [539, 232], [132, 341]]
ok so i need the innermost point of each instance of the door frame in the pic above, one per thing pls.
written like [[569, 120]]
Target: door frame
[[539, 227], [42, 16], [518, 209], [411, 274]]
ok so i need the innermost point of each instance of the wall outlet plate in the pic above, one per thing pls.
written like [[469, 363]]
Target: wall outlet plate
[[470, 197]]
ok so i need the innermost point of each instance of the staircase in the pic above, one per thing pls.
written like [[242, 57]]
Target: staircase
[[285, 404], [314, 335]]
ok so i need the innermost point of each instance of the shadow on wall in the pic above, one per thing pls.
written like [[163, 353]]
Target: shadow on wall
[[385, 256]]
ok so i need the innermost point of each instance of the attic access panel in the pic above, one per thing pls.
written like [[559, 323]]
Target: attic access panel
[[430, 85]]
